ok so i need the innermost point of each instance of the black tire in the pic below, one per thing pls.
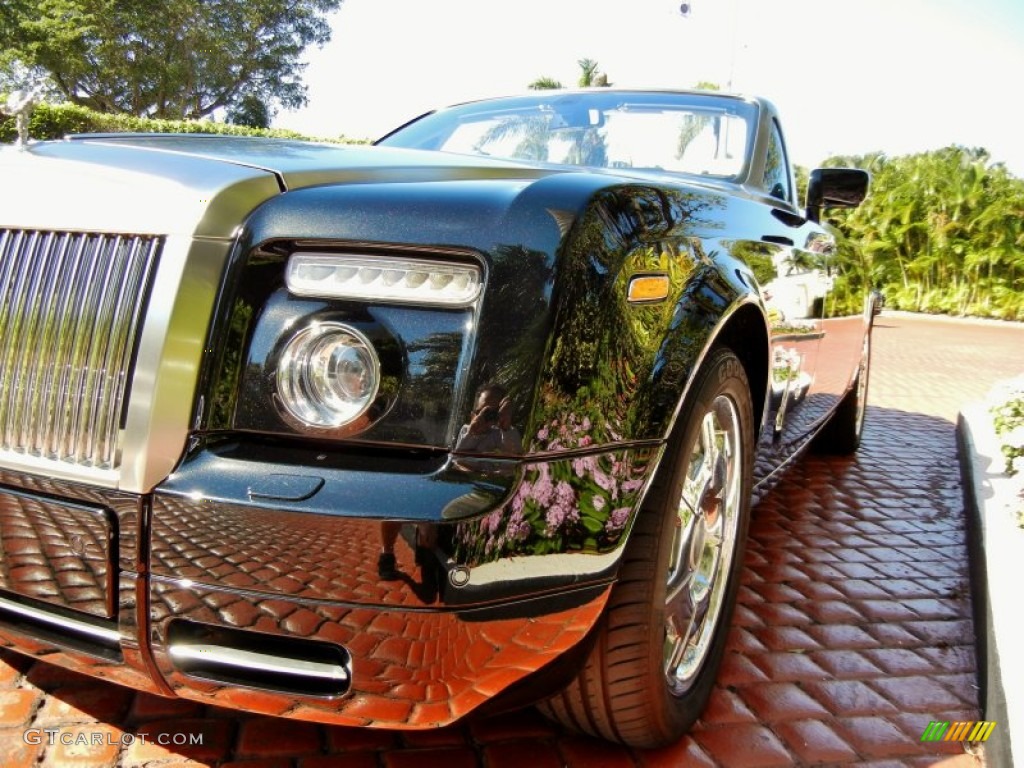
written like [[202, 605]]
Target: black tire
[[842, 433], [624, 691]]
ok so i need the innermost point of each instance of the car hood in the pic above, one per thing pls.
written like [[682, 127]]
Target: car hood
[[198, 185]]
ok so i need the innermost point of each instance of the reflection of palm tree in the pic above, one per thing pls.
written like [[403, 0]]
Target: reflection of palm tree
[[438, 356], [588, 148], [535, 134], [587, 145], [693, 125], [518, 311]]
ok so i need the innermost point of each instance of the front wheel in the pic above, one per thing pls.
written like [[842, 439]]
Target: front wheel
[[660, 643]]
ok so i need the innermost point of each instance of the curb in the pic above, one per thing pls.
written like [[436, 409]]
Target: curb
[[966, 319], [996, 551]]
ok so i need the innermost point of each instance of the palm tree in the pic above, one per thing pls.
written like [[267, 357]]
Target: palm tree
[[590, 77]]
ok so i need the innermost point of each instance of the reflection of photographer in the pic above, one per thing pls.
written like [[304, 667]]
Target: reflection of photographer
[[490, 427]]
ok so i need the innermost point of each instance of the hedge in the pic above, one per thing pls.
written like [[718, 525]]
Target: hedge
[[54, 121]]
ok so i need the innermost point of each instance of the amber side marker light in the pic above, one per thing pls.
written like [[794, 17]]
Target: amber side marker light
[[648, 288]]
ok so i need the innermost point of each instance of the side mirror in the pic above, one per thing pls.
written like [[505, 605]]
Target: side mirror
[[835, 188]]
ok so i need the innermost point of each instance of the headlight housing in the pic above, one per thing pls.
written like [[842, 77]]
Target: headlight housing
[[368, 277], [328, 375]]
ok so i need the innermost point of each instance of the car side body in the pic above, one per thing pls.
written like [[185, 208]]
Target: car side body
[[184, 511]]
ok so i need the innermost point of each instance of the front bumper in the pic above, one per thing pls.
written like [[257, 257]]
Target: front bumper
[[264, 605]]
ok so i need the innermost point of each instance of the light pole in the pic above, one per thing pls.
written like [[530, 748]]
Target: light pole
[[685, 9]]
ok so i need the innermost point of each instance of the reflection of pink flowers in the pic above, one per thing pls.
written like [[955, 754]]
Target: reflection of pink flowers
[[518, 527], [492, 522], [581, 501], [606, 482], [583, 465], [570, 432], [563, 510], [617, 520], [521, 496], [543, 489], [631, 485], [564, 494]]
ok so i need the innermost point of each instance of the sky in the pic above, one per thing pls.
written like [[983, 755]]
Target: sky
[[848, 77]]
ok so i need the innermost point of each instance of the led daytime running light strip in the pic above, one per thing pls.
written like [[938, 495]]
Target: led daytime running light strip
[[382, 278]]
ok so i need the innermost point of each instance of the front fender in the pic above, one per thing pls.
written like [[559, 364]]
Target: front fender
[[621, 366]]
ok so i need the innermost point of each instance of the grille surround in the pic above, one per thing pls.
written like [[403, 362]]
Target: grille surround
[[71, 309]]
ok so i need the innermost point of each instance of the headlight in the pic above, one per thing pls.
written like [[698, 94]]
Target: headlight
[[383, 278], [328, 375]]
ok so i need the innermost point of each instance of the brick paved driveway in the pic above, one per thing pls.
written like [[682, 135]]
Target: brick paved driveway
[[853, 629]]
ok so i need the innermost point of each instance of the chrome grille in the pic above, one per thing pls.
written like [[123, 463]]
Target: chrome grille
[[70, 308]]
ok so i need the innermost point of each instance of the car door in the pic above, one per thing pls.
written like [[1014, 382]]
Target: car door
[[795, 295]]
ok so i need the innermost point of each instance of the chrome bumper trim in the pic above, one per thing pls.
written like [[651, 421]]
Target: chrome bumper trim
[[210, 655], [82, 629]]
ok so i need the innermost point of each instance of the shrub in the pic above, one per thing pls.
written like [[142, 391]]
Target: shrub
[[54, 121], [1008, 419]]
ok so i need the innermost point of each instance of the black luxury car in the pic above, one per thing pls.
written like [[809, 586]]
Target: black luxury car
[[385, 435]]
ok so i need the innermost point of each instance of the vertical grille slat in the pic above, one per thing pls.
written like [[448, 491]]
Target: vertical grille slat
[[33, 354], [77, 368], [48, 413], [71, 308]]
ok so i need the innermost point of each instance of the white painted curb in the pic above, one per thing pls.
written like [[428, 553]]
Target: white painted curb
[[998, 577]]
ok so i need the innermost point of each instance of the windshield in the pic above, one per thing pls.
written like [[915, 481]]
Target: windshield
[[699, 134]]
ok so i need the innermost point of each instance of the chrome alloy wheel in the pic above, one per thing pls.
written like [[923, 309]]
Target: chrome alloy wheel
[[657, 650], [703, 543]]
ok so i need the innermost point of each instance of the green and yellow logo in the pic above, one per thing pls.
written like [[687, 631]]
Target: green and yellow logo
[[958, 731]]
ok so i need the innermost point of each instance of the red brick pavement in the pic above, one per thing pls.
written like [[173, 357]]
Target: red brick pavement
[[853, 628]]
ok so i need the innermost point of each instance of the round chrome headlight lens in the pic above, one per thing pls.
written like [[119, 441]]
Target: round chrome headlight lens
[[328, 375]]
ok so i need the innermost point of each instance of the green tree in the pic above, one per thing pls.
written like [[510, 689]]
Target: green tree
[[172, 59], [590, 77], [250, 111], [941, 231]]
